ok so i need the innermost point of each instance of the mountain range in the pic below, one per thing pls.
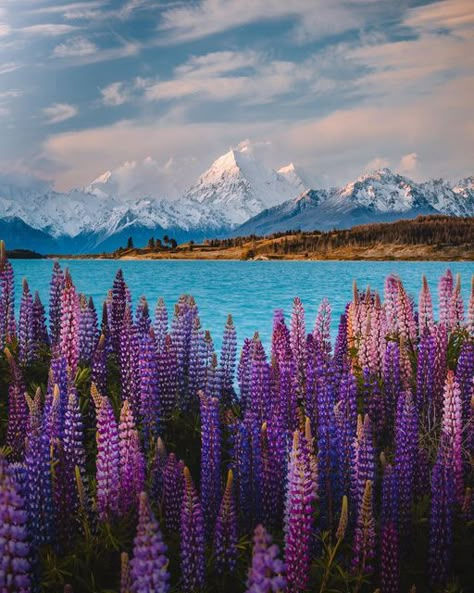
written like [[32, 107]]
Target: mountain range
[[237, 195]]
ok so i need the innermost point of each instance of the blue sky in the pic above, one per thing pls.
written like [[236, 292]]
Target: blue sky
[[337, 86]]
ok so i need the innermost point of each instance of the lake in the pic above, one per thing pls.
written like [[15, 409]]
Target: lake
[[250, 291]]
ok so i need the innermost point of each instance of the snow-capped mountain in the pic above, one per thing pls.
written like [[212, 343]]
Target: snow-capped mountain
[[375, 197], [237, 195]]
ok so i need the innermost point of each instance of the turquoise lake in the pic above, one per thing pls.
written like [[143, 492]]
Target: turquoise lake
[[250, 291]]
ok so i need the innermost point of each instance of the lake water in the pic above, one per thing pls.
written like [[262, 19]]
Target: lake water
[[251, 291]]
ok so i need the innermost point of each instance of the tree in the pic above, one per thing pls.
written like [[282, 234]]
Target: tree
[[173, 243], [130, 243], [151, 243], [166, 239], [191, 245]]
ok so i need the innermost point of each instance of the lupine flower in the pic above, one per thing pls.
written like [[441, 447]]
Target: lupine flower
[[108, 462], [167, 380], [161, 324], [363, 550], [40, 332], [242, 467], [465, 377], [456, 306], [125, 578], [228, 360], [132, 462], [192, 538], [226, 530], [7, 292], [298, 340], [17, 409], [14, 545], [149, 386], [299, 511], [425, 310], [197, 364], [389, 552], [267, 574], [99, 365], [88, 329], [210, 459], [69, 324], [149, 565], [142, 318], [119, 301], [274, 466], [445, 293], [128, 358], [322, 327], [470, 310], [243, 372], [157, 467], [56, 290], [26, 341], [173, 488], [363, 461], [451, 433]]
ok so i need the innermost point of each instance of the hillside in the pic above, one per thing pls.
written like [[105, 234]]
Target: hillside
[[424, 238]]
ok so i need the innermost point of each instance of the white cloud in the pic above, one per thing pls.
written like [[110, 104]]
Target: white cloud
[[114, 94], [76, 47], [7, 67], [48, 29], [409, 163], [59, 112], [4, 30], [376, 163]]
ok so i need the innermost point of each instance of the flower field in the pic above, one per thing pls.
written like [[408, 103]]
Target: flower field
[[134, 458]]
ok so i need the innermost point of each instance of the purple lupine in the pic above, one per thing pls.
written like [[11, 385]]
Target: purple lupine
[[99, 365], [406, 454], [456, 306], [298, 341], [7, 292], [445, 292], [210, 459], [363, 461], [259, 386], [197, 368], [128, 359], [363, 547], [345, 416], [142, 317], [274, 461], [299, 512], [149, 565], [193, 562], [441, 521], [227, 360], [391, 383], [39, 492], [451, 433], [88, 329], [373, 400], [132, 462], [167, 380], [425, 396], [425, 310], [465, 377], [470, 310], [389, 536], [73, 441], [322, 327], [173, 485], [149, 385], [241, 466], [181, 329], [161, 324], [406, 323], [119, 300], [26, 343], [58, 376], [286, 403], [157, 466], [69, 324], [52, 418], [55, 292], [226, 530], [213, 379], [14, 544], [17, 409], [243, 372], [108, 462], [267, 574], [40, 331]]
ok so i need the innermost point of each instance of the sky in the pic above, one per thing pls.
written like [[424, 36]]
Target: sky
[[162, 88]]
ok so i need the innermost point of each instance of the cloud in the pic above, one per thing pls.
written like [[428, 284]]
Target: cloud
[[76, 47], [448, 14], [59, 112], [114, 94], [48, 30], [409, 163], [4, 30], [7, 67], [376, 163]]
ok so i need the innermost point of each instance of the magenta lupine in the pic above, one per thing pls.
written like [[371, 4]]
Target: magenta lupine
[[55, 292], [441, 521], [406, 456], [445, 293], [149, 386], [14, 542], [451, 433], [149, 565], [132, 462], [26, 343], [193, 562], [298, 342], [389, 536], [108, 462], [129, 362], [17, 409], [425, 310], [69, 338], [88, 329], [7, 292], [210, 459], [40, 331], [226, 531], [363, 547], [173, 489], [299, 512], [167, 380], [161, 324], [227, 360], [267, 573]]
